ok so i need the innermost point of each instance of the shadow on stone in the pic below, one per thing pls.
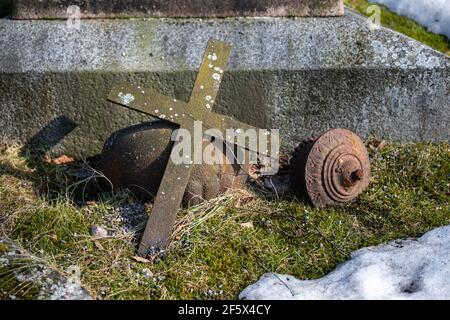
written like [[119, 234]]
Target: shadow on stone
[[49, 136], [80, 180]]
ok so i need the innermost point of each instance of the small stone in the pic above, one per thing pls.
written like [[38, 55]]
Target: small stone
[[147, 273], [97, 231], [247, 225]]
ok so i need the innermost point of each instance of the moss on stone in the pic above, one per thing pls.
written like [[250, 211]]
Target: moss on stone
[[404, 25], [14, 289], [3, 248]]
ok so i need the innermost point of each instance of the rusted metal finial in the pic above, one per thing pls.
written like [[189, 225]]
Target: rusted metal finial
[[332, 169]]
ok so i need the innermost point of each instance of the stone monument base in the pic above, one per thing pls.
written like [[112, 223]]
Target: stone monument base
[[302, 75], [51, 9]]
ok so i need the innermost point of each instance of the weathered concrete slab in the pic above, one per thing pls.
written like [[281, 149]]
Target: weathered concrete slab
[[58, 9], [302, 75]]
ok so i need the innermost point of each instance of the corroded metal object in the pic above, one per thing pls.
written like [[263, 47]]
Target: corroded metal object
[[135, 158], [332, 169]]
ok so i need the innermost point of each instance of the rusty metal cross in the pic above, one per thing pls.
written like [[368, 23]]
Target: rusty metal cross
[[176, 176]]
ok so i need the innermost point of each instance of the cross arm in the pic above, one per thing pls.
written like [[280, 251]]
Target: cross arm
[[223, 123], [151, 102]]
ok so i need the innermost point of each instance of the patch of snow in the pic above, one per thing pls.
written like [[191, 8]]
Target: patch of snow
[[401, 269], [433, 14]]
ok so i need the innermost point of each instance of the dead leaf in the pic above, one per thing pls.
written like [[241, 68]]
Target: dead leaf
[[382, 144], [63, 160], [245, 201], [99, 245], [377, 144], [254, 172], [140, 259]]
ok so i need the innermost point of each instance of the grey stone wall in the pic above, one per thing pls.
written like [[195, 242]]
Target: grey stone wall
[[301, 75]]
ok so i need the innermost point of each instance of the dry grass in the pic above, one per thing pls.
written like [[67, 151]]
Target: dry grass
[[222, 245]]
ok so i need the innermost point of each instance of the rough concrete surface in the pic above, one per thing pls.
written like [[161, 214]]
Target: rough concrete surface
[[301, 75], [59, 9], [26, 277]]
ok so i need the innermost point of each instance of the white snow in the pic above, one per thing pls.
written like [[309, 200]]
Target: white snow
[[433, 14], [401, 269]]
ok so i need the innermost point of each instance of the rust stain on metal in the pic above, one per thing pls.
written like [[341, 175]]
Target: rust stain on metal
[[332, 169]]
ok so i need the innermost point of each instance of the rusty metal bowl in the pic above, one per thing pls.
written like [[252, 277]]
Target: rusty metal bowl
[[135, 158]]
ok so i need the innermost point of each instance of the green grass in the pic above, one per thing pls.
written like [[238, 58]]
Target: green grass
[[223, 245], [404, 25]]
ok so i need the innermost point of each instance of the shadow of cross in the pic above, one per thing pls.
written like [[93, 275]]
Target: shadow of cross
[[176, 175]]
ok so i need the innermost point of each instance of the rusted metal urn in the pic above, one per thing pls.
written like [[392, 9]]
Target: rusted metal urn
[[135, 158], [332, 169]]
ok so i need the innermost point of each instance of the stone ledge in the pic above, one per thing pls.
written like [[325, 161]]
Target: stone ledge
[[52, 9], [302, 75]]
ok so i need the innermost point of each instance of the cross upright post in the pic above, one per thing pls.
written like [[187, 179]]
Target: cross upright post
[[176, 176]]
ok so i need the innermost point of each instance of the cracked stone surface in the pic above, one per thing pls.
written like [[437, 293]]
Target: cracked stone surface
[[27, 277]]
